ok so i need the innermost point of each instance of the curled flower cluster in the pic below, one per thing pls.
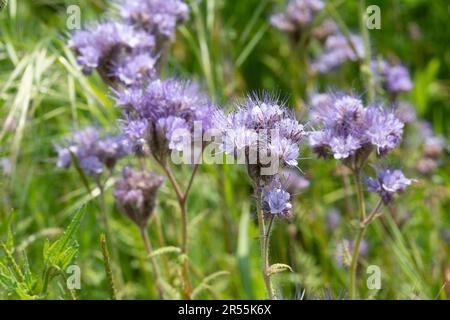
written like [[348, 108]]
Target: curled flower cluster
[[338, 49], [158, 17], [297, 16], [263, 132], [387, 183], [135, 194], [108, 46], [92, 152], [160, 115], [126, 51], [351, 131], [394, 78]]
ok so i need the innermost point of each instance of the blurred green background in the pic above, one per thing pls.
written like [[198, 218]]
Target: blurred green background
[[230, 48]]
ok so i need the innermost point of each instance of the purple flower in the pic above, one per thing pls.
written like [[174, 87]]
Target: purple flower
[[168, 109], [261, 127], [398, 80], [344, 147], [338, 50], [92, 151], [276, 201], [106, 47], [350, 131], [395, 78], [135, 194], [91, 166], [384, 130], [158, 17], [387, 183], [135, 69], [297, 15]]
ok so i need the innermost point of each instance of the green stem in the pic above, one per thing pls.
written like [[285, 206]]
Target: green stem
[[182, 202], [263, 247], [108, 270], [361, 229], [155, 267]]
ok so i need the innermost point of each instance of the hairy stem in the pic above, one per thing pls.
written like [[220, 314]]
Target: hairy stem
[[263, 248], [182, 202], [155, 267], [107, 264], [361, 230]]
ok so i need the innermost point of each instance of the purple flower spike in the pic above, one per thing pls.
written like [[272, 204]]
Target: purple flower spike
[[387, 183]]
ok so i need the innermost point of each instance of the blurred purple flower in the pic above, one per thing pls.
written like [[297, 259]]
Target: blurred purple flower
[[158, 17], [92, 151], [338, 50], [135, 194], [297, 15]]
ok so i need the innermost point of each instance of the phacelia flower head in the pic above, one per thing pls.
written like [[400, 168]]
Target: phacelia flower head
[[164, 113], [158, 17], [387, 183], [349, 131], [261, 130], [297, 16], [106, 47], [337, 50], [136, 193], [92, 151]]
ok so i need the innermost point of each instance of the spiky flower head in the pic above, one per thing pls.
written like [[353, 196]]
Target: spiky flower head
[[92, 151], [261, 130], [349, 131], [107, 46], [158, 17], [136, 194], [387, 183], [164, 113]]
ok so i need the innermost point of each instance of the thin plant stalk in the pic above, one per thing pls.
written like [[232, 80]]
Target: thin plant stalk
[[263, 246], [362, 226], [154, 263], [360, 234], [182, 198], [108, 270]]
